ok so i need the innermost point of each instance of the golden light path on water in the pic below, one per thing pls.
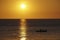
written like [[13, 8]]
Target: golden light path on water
[[23, 30]]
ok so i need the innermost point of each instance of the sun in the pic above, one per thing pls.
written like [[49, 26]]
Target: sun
[[23, 6]]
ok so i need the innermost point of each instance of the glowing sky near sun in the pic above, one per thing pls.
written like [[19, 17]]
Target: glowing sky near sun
[[34, 9]]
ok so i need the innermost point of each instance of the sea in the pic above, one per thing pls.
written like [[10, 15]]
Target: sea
[[29, 29]]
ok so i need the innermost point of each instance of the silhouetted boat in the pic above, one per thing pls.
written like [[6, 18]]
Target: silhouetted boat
[[41, 30]]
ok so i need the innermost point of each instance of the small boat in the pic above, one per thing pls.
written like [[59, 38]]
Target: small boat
[[41, 30]]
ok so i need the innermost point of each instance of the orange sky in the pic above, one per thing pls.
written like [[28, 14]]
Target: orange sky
[[36, 9]]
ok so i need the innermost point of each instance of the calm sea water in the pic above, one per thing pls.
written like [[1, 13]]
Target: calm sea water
[[13, 33]]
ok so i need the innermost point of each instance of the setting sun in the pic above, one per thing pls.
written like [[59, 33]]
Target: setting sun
[[23, 6]]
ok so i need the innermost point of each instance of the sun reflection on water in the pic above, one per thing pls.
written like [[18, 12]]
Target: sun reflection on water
[[23, 29], [23, 38]]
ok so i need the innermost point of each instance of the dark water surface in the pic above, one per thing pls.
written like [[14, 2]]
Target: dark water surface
[[11, 32]]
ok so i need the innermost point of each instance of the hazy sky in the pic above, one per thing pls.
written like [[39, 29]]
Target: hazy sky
[[35, 9]]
